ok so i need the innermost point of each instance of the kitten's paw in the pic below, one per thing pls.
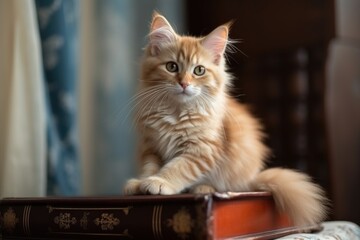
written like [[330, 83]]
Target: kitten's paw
[[156, 185], [202, 189], [132, 187]]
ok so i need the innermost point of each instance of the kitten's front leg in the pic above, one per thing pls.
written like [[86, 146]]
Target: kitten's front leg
[[151, 166], [178, 174], [132, 187], [157, 185]]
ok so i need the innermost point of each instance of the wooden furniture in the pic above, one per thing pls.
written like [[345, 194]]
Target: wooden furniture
[[343, 110]]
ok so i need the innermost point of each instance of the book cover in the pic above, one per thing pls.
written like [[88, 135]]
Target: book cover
[[184, 216]]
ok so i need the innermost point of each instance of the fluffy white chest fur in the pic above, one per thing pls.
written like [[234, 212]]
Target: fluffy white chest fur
[[174, 132]]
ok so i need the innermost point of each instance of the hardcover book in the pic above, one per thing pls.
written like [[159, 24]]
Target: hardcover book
[[185, 216]]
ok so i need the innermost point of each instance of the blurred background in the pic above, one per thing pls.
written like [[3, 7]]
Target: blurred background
[[69, 68]]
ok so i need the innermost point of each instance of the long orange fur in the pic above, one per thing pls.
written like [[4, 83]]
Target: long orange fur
[[195, 136]]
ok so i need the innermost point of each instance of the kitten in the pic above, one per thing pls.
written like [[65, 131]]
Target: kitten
[[195, 136]]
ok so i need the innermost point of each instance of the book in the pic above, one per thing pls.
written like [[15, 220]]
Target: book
[[183, 216]]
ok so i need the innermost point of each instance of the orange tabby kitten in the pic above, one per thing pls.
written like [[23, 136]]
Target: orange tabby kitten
[[195, 136]]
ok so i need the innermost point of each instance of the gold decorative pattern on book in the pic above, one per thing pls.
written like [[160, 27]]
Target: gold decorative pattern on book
[[65, 217], [107, 221], [64, 220], [181, 223], [50, 208], [9, 220], [84, 220]]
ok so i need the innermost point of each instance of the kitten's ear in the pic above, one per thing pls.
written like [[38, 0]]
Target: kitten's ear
[[161, 33], [216, 42]]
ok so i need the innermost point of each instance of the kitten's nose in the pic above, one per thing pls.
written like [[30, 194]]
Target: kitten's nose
[[184, 85]]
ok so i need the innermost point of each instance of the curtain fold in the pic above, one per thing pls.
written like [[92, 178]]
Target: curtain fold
[[22, 102], [58, 25]]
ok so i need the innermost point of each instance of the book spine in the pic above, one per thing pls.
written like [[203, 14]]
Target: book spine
[[163, 221]]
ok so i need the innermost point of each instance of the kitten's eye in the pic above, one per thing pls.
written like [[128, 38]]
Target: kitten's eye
[[199, 70], [172, 67]]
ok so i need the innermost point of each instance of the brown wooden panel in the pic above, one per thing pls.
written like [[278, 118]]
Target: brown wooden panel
[[264, 25]]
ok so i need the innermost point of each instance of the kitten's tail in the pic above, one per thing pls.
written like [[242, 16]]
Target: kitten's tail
[[295, 194]]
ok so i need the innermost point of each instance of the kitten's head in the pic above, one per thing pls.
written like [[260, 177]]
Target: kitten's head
[[187, 70]]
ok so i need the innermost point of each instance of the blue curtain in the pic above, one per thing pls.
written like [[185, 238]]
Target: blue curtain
[[58, 25]]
